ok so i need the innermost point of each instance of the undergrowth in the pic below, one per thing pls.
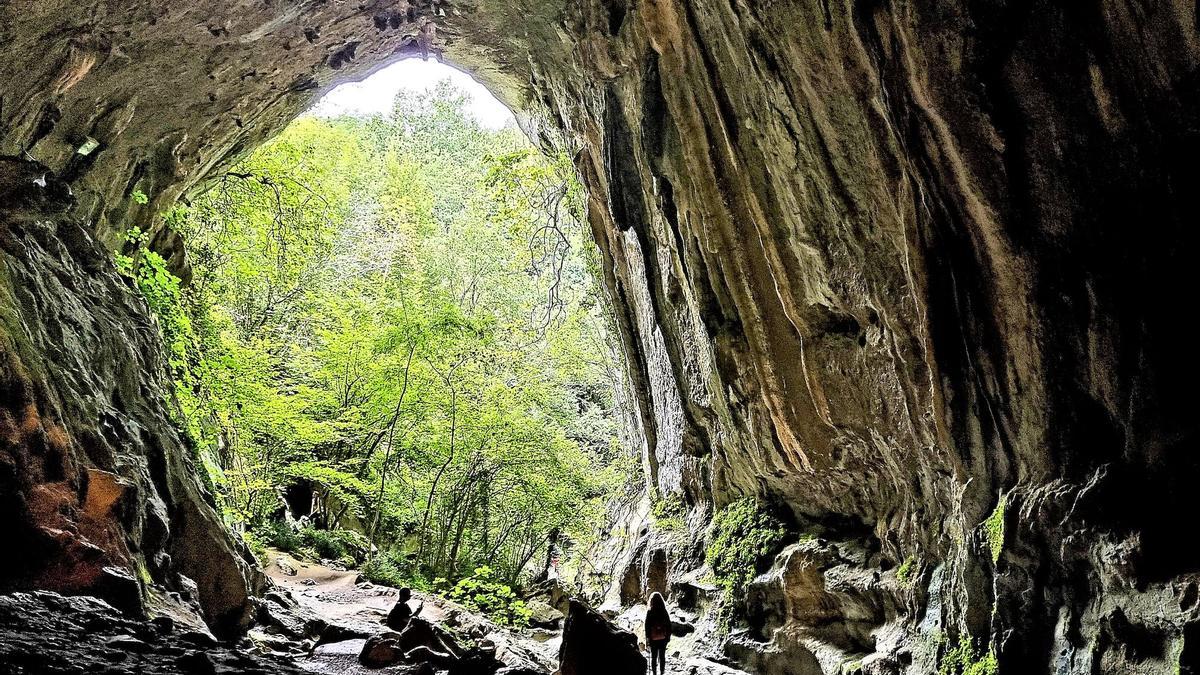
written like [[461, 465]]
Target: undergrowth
[[344, 546], [485, 593], [394, 568]]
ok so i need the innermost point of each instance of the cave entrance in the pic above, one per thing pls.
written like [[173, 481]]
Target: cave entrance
[[393, 351]]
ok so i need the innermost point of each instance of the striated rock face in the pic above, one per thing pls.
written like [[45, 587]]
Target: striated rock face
[[893, 267]]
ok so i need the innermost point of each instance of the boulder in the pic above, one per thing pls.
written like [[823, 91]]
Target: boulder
[[594, 646], [381, 651], [543, 615], [477, 661], [49, 634], [285, 566], [553, 593], [442, 660], [278, 609], [681, 628]]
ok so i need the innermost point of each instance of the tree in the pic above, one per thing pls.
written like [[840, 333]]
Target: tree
[[398, 312]]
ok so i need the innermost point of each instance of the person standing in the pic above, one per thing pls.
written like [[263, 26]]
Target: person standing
[[658, 633]]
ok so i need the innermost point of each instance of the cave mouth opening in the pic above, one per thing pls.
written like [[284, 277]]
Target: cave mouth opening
[[392, 351]]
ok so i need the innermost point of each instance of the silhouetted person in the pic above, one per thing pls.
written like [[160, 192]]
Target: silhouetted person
[[397, 619], [658, 633]]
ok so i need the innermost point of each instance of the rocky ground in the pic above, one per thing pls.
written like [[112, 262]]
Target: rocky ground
[[319, 618], [44, 633], [357, 608]]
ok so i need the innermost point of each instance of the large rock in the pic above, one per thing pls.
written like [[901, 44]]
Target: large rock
[[45, 633], [381, 651], [594, 646], [542, 615], [279, 609], [95, 480]]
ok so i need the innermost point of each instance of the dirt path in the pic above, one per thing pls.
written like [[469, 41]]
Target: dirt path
[[332, 594], [338, 597]]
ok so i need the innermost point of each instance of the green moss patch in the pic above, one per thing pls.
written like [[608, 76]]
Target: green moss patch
[[744, 538], [994, 526]]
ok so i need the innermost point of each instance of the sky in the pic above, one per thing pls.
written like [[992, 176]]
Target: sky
[[375, 94]]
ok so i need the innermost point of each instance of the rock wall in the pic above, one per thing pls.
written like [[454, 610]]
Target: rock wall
[[97, 491], [895, 267]]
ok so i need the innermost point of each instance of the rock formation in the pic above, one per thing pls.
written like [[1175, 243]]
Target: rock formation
[[593, 646], [45, 633], [911, 272]]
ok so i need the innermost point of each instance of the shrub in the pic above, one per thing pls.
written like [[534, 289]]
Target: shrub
[[395, 569], [482, 591], [744, 536], [341, 545], [382, 569], [344, 546], [279, 535], [256, 545]]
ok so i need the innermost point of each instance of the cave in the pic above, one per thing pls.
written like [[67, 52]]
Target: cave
[[912, 273]]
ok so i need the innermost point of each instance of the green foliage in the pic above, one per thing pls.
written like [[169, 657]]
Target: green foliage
[[139, 197], [398, 312], [994, 527], [342, 545], [905, 573], [257, 546], [668, 513], [345, 487], [484, 592], [162, 292], [744, 537], [395, 568], [165, 298], [965, 659], [279, 535]]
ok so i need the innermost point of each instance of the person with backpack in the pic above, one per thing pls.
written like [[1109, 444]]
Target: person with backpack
[[658, 633]]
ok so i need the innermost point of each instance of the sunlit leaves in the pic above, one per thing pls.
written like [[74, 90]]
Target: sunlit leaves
[[397, 311]]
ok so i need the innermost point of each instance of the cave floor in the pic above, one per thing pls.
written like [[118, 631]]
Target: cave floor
[[340, 598]]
